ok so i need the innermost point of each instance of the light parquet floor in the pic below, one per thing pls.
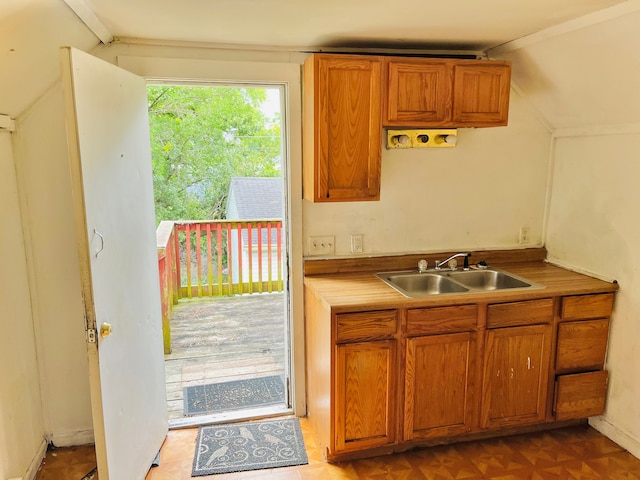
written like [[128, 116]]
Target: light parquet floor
[[223, 339], [575, 453]]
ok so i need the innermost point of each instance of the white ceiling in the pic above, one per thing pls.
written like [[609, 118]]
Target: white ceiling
[[575, 60], [428, 24]]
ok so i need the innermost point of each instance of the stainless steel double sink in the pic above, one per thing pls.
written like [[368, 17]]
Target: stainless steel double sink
[[440, 282]]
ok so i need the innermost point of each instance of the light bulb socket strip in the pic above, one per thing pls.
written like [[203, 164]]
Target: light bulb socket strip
[[440, 138]]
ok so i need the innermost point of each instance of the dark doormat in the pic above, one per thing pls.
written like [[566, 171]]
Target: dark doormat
[[240, 447], [222, 397]]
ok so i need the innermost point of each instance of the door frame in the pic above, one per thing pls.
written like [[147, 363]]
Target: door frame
[[273, 74]]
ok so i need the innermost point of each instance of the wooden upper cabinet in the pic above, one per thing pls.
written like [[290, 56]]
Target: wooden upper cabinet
[[481, 94], [342, 128], [419, 92], [441, 92], [348, 98]]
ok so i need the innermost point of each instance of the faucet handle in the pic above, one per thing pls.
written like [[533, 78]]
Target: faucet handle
[[452, 264], [422, 266]]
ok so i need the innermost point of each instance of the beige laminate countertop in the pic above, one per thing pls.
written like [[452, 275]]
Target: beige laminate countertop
[[345, 292]]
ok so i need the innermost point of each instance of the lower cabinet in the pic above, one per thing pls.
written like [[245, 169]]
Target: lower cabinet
[[439, 372], [365, 385], [515, 377], [381, 380], [580, 395], [582, 335]]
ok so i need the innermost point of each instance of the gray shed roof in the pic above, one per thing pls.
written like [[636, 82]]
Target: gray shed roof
[[255, 197]]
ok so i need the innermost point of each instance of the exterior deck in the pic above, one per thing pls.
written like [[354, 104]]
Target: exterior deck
[[222, 339]]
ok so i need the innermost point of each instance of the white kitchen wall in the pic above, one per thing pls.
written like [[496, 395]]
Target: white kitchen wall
[[583, 78], [476, 195], [584, 73], [29, 40], [22, 431], [593, 227], [47, 212]]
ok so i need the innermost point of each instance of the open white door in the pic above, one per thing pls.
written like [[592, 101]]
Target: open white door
[[110, 163]]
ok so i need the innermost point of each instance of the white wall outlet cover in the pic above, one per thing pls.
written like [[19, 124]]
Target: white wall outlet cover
[[356, 243]]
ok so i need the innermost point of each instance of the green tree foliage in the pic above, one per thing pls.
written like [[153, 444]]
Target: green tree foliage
[[200, 138]]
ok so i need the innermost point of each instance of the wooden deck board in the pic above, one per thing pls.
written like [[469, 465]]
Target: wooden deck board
[[223, 339]]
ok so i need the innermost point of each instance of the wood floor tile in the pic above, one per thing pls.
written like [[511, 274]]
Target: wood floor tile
[[576, 453], [67, 463]]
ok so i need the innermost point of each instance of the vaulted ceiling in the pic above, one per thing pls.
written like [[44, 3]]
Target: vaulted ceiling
[[454, 24], [575, 60]]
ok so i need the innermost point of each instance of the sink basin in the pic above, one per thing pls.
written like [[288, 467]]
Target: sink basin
[[413, 284], [439, 282], [488, 279]]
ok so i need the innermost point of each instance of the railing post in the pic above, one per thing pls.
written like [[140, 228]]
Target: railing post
[[229, 258], [219, 256], [176, 252], [279, 244], [209, 262], [164, 244], [250, 254], [187, 232], [199, 259], [260, 281]]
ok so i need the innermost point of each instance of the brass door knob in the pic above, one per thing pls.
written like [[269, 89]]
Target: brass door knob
[[105, 330]]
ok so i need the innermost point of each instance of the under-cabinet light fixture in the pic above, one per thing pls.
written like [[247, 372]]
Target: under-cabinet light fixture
[[422, 138]]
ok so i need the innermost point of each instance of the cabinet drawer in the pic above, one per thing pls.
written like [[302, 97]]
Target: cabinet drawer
[[520, 313], [581, 345], [581, 395], [587, 306], [460, 318], [366, 325]]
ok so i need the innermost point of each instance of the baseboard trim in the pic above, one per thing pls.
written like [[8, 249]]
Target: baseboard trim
[[32, 471], [622, 438], [71, 439]]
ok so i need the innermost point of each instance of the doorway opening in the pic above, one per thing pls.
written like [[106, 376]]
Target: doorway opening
[[220, 190]]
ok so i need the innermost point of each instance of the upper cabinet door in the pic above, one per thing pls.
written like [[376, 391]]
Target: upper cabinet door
[[342, 103], [481, 94], [418, 91]]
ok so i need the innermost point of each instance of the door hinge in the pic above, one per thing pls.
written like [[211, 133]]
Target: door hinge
[[288, 392], [7, 123], [92, 335]]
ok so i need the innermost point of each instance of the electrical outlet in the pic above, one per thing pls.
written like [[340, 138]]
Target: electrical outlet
[[356, 243], [524, 235], [322, 245]]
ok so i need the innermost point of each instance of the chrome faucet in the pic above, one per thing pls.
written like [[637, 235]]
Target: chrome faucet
[[439, 264]]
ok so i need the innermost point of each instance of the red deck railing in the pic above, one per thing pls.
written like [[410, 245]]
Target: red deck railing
[[217, 258]]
